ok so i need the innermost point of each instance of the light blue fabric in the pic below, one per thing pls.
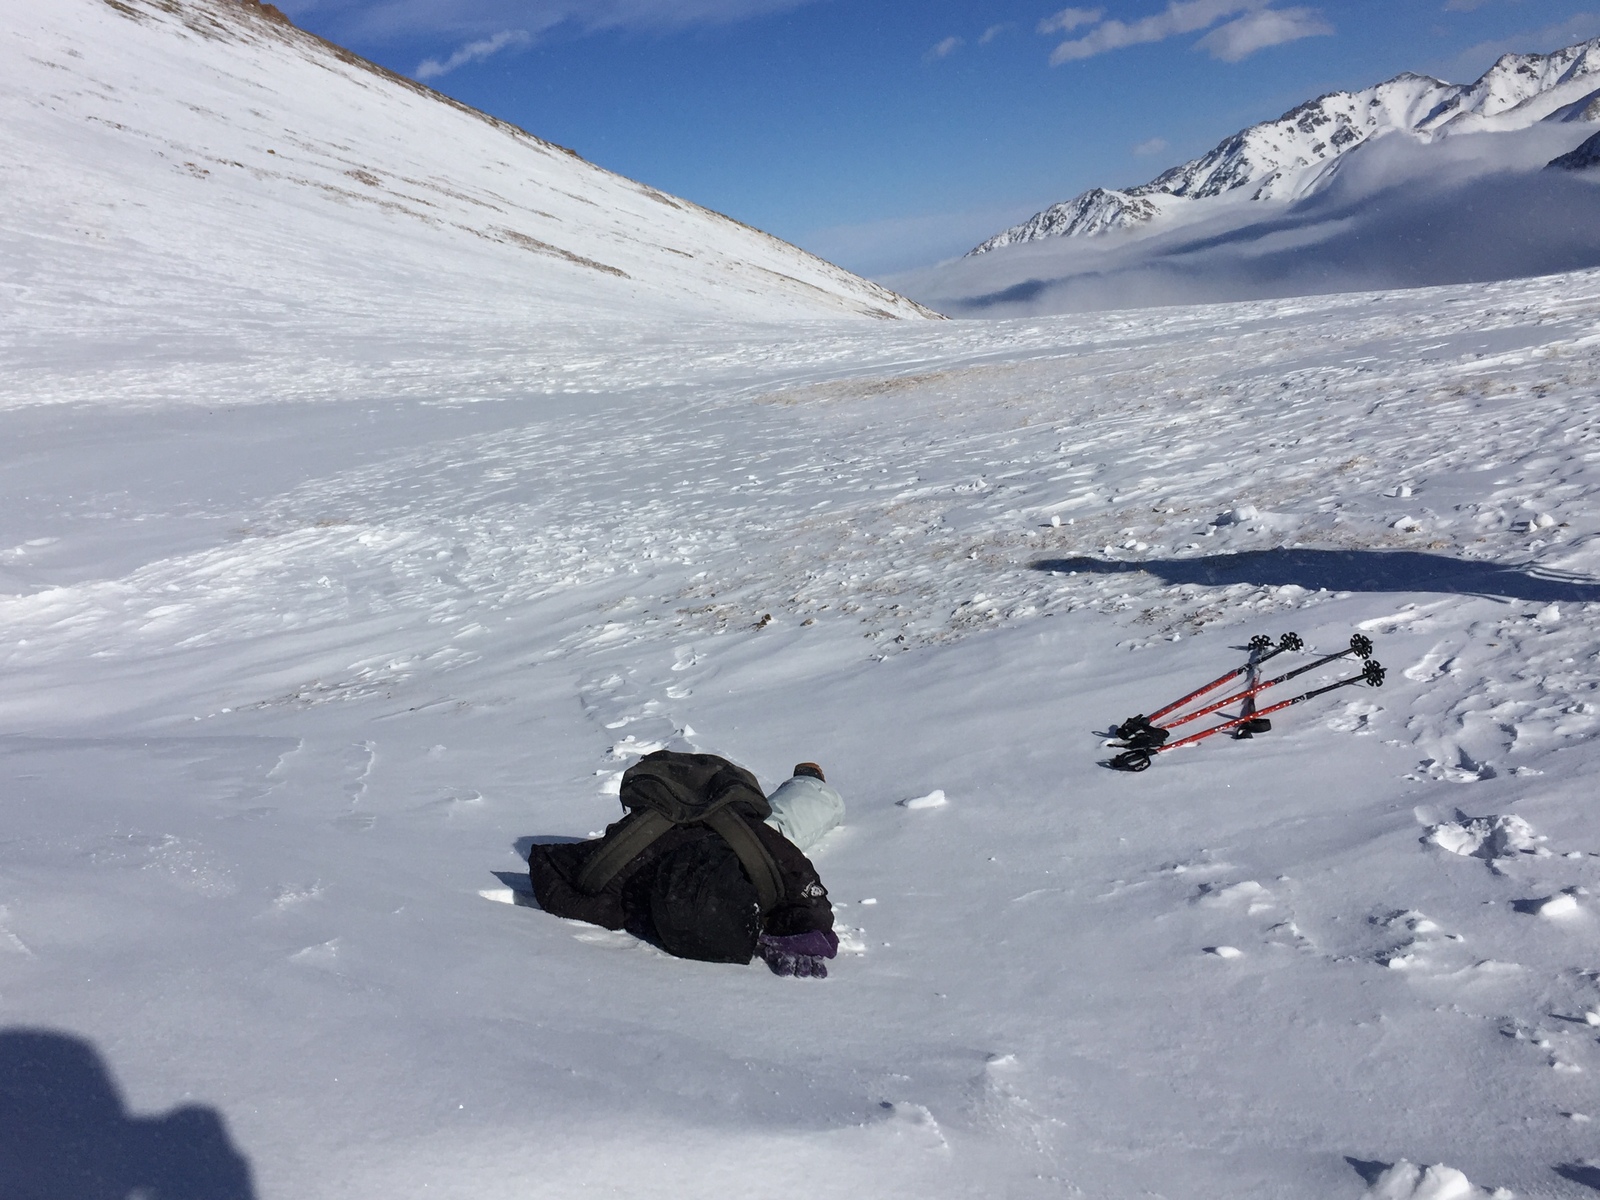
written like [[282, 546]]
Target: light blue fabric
[[803, 809]]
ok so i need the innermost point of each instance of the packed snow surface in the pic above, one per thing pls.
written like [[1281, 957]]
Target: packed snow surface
[[313, 614]]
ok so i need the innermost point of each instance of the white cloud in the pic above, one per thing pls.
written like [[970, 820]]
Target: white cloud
[[1255, 26], [1181, 16], [1069, 19], [995, 31], [1154, 146], [943, 50], [1257, 30], [380, 19], [432, 68]]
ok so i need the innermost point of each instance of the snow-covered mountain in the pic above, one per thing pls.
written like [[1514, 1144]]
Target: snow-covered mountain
[[1298, 154], [227, 154]]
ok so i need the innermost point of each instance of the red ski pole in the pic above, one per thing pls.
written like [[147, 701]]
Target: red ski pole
[[1260, 642], [1360, 646], [1138, 759]]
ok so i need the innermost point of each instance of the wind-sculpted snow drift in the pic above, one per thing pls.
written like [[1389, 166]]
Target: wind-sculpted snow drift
[[323, 598]]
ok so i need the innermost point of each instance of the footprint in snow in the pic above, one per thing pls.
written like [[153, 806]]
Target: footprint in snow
[[1561, 906], [1493, 838], [1435, 663], [1288, 934], [1356, 717], [1424, 932], [1466, 769], [633, 747], [1249, 895]]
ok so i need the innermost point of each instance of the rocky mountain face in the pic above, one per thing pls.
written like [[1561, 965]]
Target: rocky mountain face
[[1296, 155], [1584, 158]]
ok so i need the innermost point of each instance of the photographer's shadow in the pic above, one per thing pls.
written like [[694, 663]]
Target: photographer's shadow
[[1350, 571], [65, 1134]]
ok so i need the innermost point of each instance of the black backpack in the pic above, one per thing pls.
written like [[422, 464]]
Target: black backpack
[[709, 893]]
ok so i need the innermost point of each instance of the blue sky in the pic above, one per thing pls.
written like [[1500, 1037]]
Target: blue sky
[[888, 134]]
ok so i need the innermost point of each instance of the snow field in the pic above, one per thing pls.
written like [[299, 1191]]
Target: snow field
[[291, 680], [340, 558]]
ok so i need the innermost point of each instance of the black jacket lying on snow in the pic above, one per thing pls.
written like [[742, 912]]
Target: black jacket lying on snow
[[625, 902]]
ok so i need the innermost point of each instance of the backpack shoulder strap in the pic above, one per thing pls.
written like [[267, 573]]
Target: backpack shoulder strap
[[752, 854], [638, 833]]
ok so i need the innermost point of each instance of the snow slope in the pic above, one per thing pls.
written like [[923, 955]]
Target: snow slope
[[1292, 157], [315, 609], [184, 158]]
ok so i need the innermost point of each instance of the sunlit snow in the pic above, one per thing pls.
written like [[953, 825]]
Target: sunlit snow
[[333, 572]]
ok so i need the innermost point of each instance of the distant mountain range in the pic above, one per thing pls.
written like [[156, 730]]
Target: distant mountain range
[[1299, 154]]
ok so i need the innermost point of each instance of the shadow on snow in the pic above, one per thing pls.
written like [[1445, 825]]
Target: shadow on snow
[[1350, 571], [65, 1132]]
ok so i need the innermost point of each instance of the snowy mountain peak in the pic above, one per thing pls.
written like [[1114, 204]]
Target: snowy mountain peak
[[1516, 78], [1291, 157]]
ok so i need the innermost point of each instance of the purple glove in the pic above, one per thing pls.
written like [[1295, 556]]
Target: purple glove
[[799, 954]]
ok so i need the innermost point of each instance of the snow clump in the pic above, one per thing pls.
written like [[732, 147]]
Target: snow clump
[[1483, 837], [1407, 1181]]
